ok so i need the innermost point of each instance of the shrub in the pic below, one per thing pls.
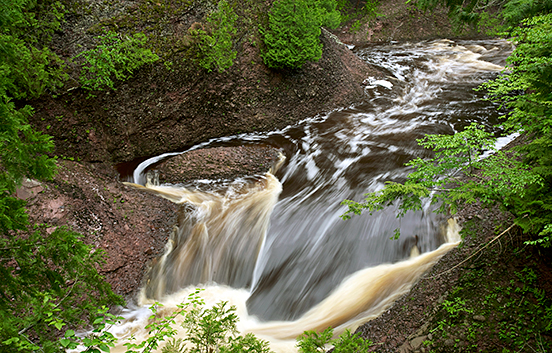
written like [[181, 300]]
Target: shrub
[[292, 36], [313, 342], [114, 57], [207, 330], [49, 279], [215, 40]]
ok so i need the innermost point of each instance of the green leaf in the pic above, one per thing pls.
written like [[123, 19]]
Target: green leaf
[[65, 342], [113, 58]]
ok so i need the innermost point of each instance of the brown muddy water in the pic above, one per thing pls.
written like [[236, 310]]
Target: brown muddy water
[[275, 245]]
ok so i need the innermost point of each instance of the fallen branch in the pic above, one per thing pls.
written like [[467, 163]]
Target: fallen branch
[[475, 253]]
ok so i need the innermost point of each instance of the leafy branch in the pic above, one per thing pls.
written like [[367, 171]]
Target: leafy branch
[[497, 178]]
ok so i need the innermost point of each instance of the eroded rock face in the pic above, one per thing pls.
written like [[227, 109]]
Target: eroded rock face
[[159, 111], [131, 226], [218, 163]]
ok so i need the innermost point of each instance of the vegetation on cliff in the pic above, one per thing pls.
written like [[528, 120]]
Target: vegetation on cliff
[[114, 58], [215, 44], [49, 277], [294, 27]]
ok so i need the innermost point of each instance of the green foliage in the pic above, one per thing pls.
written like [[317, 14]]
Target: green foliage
[[214, 329], [520, 182], [516, 11], [114, 57], [497, 178], [361, 14], [370, 10], [329, 14], [545, 237], [526, 90], [215, 41], [174, 346], [210, 328], [27, 67], [49, 277], [530, 72], [247, 343], [48, 282], [159, 329], [456, 307], [460, 11], [498, 15], [292, 36], [21, 154], [313, 342], [100, 339], [511, 310], [207, 330]]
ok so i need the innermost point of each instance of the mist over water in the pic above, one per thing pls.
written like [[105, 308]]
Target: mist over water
[[275, 245]]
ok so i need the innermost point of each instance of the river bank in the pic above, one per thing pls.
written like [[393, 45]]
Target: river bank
[[492, 293]]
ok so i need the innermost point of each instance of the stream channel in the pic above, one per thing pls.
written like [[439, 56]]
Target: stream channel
[[275, 246]]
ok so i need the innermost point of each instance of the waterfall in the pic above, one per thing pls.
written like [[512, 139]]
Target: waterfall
[[275, 247]]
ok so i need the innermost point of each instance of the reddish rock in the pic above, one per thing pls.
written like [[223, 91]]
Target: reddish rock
[[132, 227]]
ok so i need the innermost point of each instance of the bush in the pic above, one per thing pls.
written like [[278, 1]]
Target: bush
[[531, 114], [313, 342], [49, 280], [215, 41], [292, 36], [207, 330], [114, 57]]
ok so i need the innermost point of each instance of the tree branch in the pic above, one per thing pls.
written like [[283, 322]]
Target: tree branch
[[55, 307]]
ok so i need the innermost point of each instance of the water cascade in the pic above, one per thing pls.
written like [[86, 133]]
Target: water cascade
[[275, 246]]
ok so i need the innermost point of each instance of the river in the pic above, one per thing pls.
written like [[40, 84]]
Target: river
[[275, 245]]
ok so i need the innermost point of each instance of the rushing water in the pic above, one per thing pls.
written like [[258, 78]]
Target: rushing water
[[275, 245]]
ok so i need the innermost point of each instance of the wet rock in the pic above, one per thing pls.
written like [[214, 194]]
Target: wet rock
[[131, 233], [220, 163]]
